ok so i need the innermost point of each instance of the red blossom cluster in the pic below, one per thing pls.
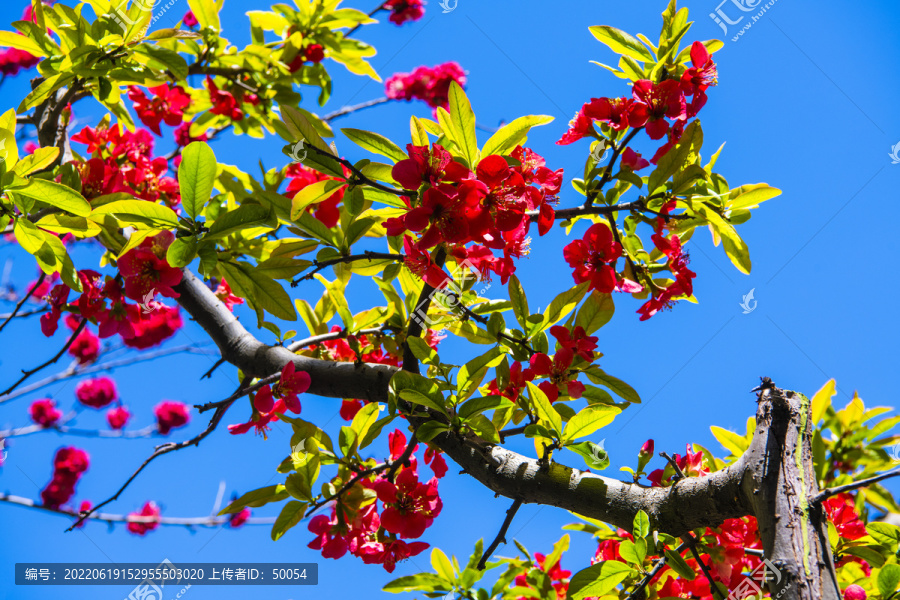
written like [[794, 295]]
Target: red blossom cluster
[[265, 407], [678, 264], [167, 105], [86, 346], [171, 415], [314, 53], [150, 509], [68, 465], [97, 393], [122, 161], [224, 103], [574, 345], [13, 60], [224, 294], [489, 207], [145, 271], [429, 84], [239, 518], [691, 464], [409, 507], [652, 105], [117, 417], [404, 11], [300, 176], [44, 412], [593, 258], [189, 19]]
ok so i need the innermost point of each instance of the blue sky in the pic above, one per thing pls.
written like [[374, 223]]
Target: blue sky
[[805, 104]]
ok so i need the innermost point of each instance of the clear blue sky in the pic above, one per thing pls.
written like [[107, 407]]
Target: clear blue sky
[[805, 102]]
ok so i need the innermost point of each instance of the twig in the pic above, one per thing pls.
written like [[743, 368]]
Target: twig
[[165, 449], [18, 307], [346, 486], [27, 374], [212, 369], [240, 393], [692, 544], [828, 493], [659, 566], [510, 432], [75, 371], [403, 458], [27, 313], [352, 30], [145, 432], [351, 109], [608, 173], [113, 518], [336, 335], [358, 176], [414, 327], [367, 255], [501, 535]]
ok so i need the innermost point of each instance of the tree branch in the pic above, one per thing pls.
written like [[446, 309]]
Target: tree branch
[[352, 109], [367, 255], [27, 374], [828, 493], [18, 307], [501, 535]]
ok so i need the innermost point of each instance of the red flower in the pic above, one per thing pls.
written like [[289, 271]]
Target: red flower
[[68, 465], [223, 293], [183, 135], [153, 329], [516, 383], [141, 527], [403, 11], [410, 506], [349, 408], [325, 211], [653, 103], [58, 297], [842, 512], [189, 19], [633, 160], [577, 341], [683, 285], [146, 270], [117, 417], [259, 420], [223, 102], [593, 256], [580, 126], [854, 592], [239, 518], [170, 415], [291, 384], [430, 84], [703, 74], [612, 111], [86, 347], [432, 166], [557, 370], [420, 263], [168, 105], [44, 412], [96, 393]]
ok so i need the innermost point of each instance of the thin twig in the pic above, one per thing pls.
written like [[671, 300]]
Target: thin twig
[[346, 486], [659, 566], [352, 30], [608, 173], [27, 374], [76, 370], [240, 393], [336, 335], [18, 307], [828, 493], [113, 518], [145, 432], [501, 535], [352, 109], [404, 457], [367, 255], [692, 544], [358, 176], [679, 474], [165, 449]]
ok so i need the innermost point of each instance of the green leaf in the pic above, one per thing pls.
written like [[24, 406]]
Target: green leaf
[[544, 409], [674, 160], [377, 143], [888, 580], [290, 515], [419, 398], [479, 405], [734, 246], [256, 498], [519, 302], [258, 289], [423, 582], [303, 130], [513, 134], [430, 430], [594, 455], [463, 119], [207, 13], [619, 387], [734, 443], [471, 373], [596, 312], [56, 194], [313, 194], [139, 212], [182, 251], [243, 217], [622, 43], [563, 304], [9, 39], [751, 196], [588, 420], [39, 159], [821, 401], [679, 565], [196, 176], [641, 524], [598, 579]]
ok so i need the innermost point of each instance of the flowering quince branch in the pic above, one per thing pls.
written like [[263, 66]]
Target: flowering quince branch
[[608, 173], [692, 544], [501, 535], [22, 302], [336, 335], [30, 372], [347, 486], [77, 369], [114, 518]]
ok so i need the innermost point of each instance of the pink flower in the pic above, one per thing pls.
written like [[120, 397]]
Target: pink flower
[[96, 393], [189, 19], [239, 518], [146, 270], [117, 417], [44, 412], [171, 415], [403, 11], [431, 84], [150, 509]]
